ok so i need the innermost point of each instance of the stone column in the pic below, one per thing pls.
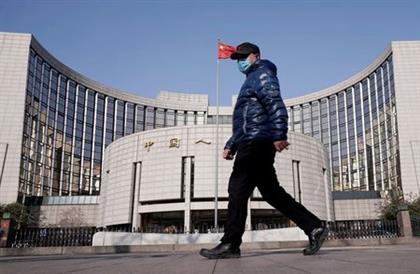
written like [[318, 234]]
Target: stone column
[[404, 221], [187, 195], [136, 203]]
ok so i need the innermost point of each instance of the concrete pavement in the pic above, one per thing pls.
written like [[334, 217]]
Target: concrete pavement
[[380, 259]]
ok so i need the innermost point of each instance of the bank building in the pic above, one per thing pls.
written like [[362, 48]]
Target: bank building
[[69, 144]]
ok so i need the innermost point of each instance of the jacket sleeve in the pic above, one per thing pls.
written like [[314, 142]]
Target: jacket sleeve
[[231, 144], [268, 93]]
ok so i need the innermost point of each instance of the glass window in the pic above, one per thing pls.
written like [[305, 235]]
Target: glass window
[[379, 84], [91, 100], [119, 127], [109, 126], [129, 124], [365, 92], [170, 117], [180, 118], [100, 112], [78, 146], [325, 137], [88, 133], [160, 118], [139, 118], [316, 131], [60, 122], [200, 118], [307, 127], [297, 119], [45, 86], [98, 151], [372, 87], [191, 118], [226, 119], [80, 112], [96, 177], [150, 118]]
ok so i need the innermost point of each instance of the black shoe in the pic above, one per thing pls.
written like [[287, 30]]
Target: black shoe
[[221, 251], [316, 238]]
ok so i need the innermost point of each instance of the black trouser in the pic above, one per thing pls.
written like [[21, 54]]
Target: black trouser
[[253, 167]]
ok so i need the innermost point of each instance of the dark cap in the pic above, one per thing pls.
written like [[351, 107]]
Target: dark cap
[[243, 50]]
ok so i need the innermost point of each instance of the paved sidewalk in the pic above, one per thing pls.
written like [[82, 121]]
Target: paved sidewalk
[[381, 259]]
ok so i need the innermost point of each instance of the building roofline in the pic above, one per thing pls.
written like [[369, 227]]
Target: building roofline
[[199, 102], [342, 85], [174, 100]]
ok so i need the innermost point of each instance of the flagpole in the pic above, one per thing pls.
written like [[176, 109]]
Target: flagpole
[[216, 186]]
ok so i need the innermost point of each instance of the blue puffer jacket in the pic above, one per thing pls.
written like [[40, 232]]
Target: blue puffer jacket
[[259, 111]]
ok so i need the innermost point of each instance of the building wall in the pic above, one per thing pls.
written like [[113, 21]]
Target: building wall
[[407, 86], [14, 51], [66, 215], [357, 209], [161, 173]]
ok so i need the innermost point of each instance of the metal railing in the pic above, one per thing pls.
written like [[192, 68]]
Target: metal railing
[[82, 236], [415, 225], [363, 229], [43, 237]]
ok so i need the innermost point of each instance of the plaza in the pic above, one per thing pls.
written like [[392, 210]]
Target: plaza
[[375, 259]]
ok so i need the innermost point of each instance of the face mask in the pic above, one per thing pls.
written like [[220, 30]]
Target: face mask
[[244, 65]]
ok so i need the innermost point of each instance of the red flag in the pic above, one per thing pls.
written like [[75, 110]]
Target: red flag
[[224, 51]]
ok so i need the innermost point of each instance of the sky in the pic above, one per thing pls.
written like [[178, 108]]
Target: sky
[[143, 47]]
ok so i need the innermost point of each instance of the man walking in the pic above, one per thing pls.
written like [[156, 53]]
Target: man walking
[[259, 130]]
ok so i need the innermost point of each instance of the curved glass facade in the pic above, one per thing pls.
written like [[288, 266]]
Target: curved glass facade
[[358, 127], [67, 126]]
